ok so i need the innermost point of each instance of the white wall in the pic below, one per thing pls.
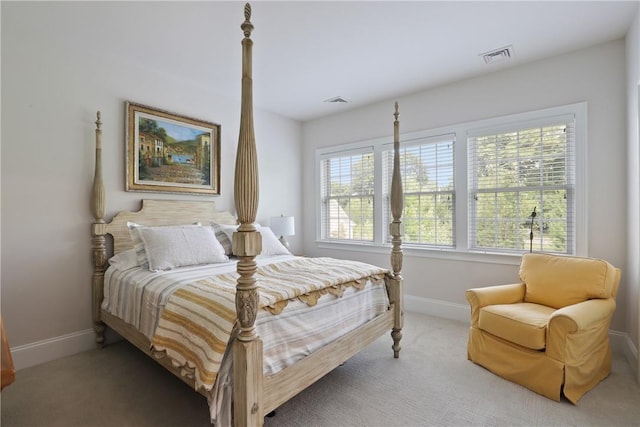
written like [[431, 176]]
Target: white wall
[[595, 75], [633, 177], [50, 93]]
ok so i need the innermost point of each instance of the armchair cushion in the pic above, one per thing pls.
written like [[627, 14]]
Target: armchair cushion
[[524, 324], [560, 281], [501, 294]]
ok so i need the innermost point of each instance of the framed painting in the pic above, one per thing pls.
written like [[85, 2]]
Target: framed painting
[[170, 153]]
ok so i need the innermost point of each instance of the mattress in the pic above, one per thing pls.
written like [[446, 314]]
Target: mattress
[[138, 297]]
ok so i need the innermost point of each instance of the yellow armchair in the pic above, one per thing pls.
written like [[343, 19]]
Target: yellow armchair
[[548, 333]]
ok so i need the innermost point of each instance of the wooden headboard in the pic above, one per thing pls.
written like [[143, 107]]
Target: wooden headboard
[[164, 212]]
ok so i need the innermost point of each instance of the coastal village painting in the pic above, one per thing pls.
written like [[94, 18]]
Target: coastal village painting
[[171, 153]]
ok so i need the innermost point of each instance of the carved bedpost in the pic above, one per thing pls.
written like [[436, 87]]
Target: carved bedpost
[[247, 244], [395, 229], [98, 241]]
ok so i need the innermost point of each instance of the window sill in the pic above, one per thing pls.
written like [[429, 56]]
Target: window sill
[[417, 252]]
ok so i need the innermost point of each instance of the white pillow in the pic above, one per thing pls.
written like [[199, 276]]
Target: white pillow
[[271, 244], [124, 260], [180, 246]]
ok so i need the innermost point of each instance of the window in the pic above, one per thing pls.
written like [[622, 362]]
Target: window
[[468, 188], [516, 172], [348, 196], [426, 166]]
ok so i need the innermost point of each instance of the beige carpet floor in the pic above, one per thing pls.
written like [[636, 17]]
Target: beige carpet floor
[[432, 384]]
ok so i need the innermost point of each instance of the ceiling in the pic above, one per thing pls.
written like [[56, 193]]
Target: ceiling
[[306, 52]]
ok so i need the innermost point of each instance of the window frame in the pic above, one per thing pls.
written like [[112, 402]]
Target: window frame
[[477, 188], [351, 152], [462, 249], [408, 144]]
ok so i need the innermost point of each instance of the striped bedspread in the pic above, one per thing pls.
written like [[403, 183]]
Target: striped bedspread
[[198, 318]]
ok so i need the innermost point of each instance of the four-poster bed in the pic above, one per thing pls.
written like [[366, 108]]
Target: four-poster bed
[[256, 389]]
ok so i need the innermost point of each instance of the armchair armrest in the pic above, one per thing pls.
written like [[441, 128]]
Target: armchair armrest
[[584, 315], [574, 330], [501, 294]]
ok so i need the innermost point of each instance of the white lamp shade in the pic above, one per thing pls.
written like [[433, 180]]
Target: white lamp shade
[[282, 225]]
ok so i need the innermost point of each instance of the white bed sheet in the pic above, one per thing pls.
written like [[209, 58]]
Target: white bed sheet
[[138, 296]]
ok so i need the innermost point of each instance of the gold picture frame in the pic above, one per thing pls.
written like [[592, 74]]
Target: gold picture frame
[[171, 153]]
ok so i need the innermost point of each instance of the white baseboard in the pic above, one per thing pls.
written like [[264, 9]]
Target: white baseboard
[[47, 350], [630, 352], [438, 308], [25, 356], [620, 341]]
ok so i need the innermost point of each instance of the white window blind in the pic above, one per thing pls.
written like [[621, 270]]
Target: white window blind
[[427, 169], [347, 191], [514, 170]]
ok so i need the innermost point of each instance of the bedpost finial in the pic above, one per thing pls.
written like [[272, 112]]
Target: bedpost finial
[[247, 26], [98, 121], [397, 113]]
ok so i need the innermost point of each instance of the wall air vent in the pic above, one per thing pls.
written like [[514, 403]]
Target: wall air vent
[[337, 100], [498, 55]]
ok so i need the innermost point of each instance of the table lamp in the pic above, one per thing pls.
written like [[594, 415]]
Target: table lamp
[[283, 226]]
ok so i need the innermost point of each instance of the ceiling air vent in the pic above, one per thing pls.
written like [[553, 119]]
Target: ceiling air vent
[[337, 100], [498, 55]]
